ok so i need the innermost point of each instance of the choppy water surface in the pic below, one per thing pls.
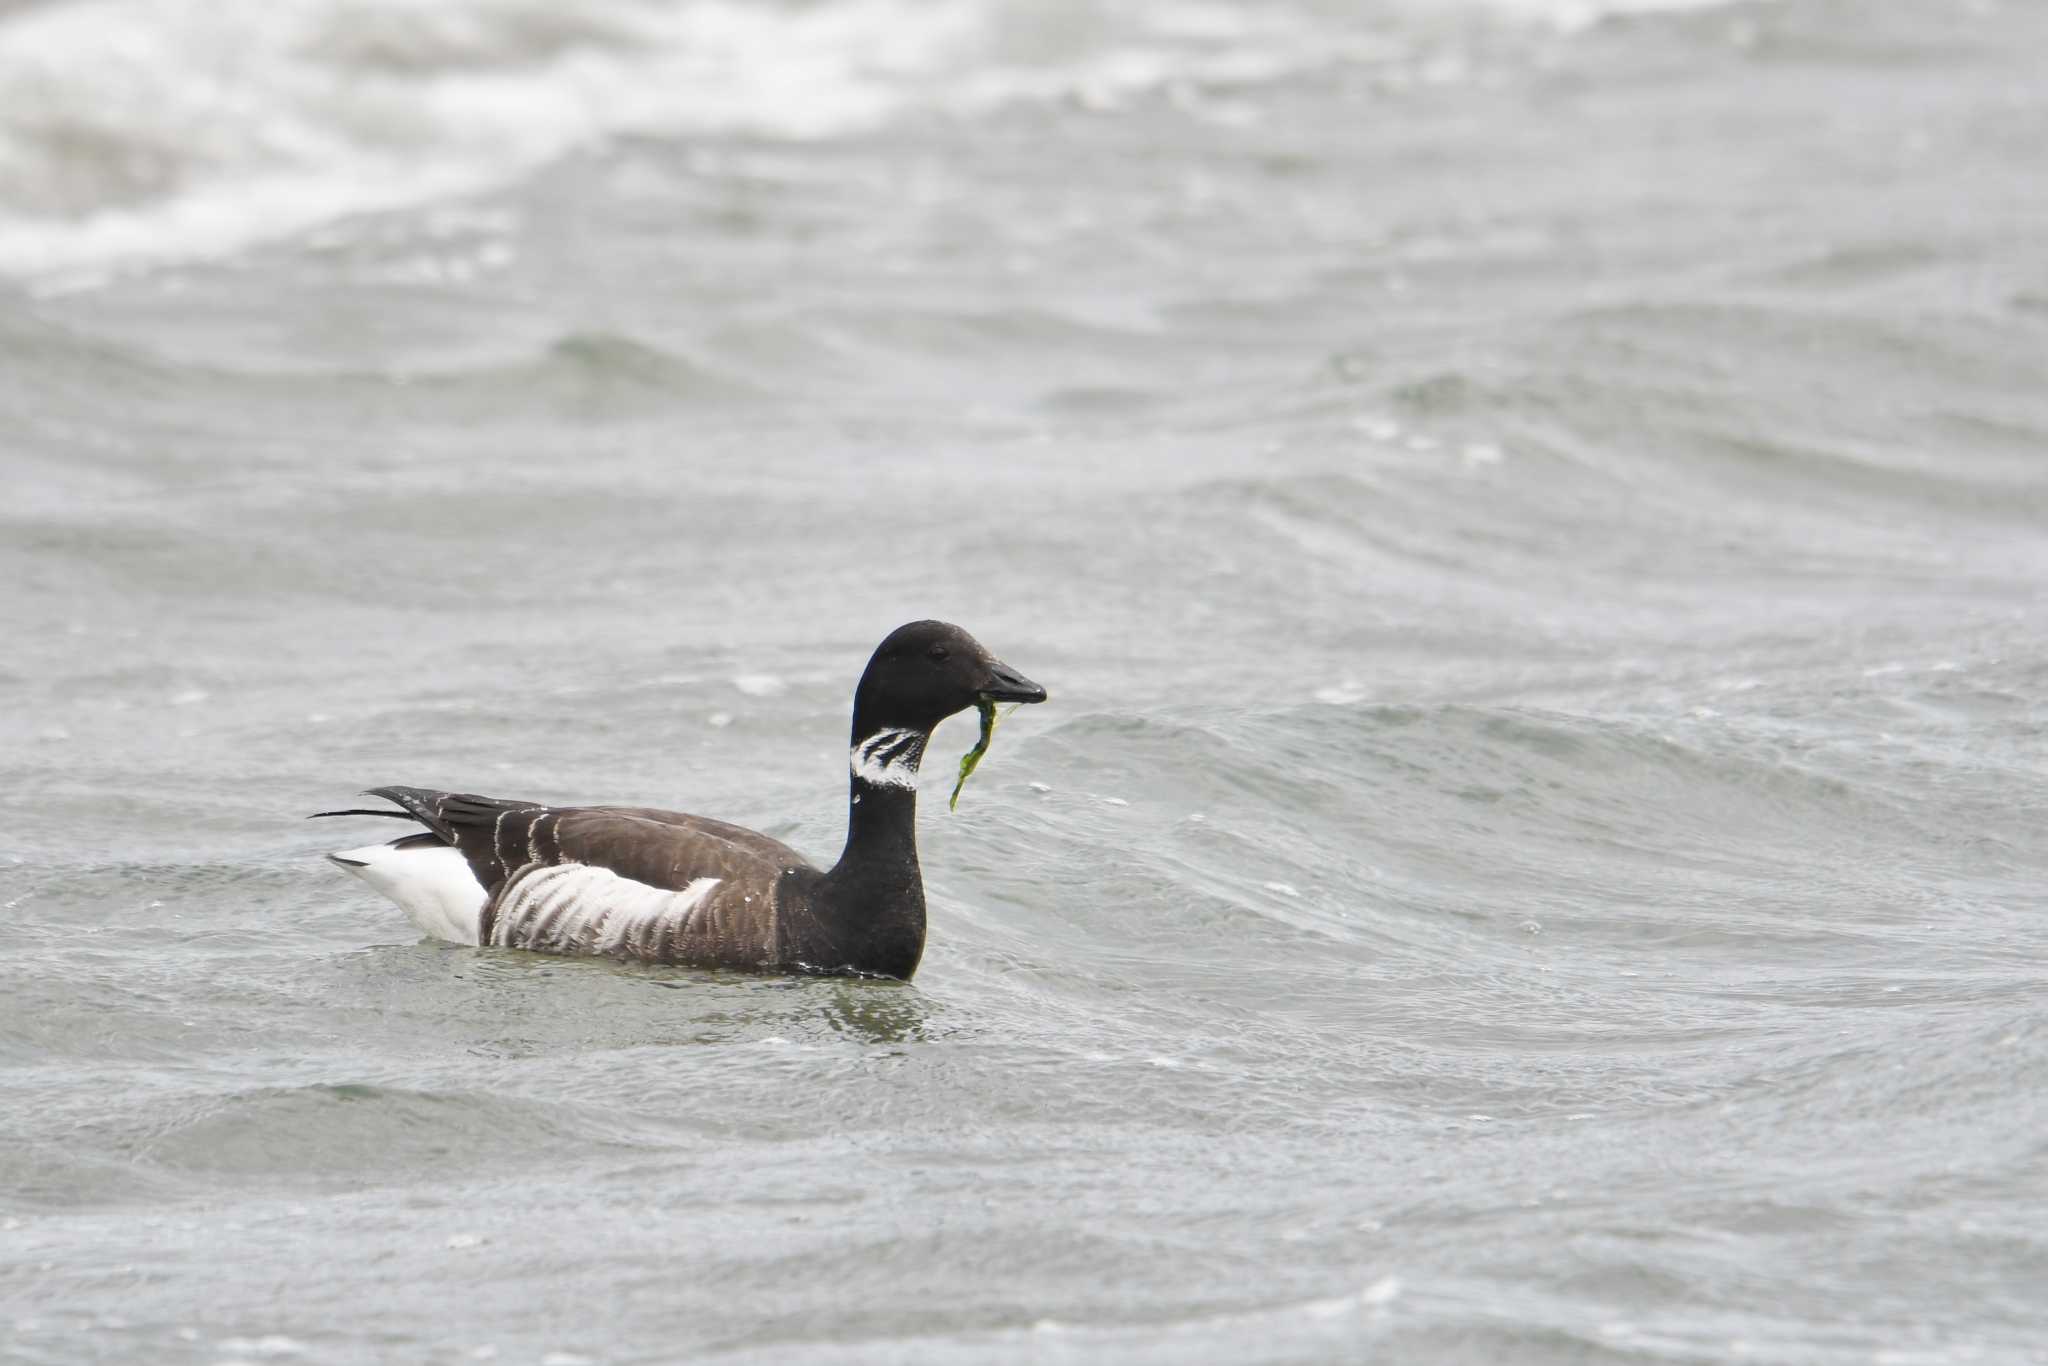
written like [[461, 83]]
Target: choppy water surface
[[1532, 517]]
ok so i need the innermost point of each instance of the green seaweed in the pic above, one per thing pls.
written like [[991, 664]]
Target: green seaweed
[[973, 756]]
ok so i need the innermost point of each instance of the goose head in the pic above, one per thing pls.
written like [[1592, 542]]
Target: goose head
[[928, 670]]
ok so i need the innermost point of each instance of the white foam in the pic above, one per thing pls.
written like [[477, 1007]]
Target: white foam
[[144, 130], [139, 131], [270, 1345], [1573, 15]]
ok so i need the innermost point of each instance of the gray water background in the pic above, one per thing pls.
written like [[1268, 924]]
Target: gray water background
[[1532, 521]]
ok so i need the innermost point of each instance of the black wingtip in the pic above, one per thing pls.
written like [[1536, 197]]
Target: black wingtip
[[347, 862], [364, 811]]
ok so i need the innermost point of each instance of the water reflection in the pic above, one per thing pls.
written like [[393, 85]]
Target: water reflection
[[876, 1010], [881, 1012]]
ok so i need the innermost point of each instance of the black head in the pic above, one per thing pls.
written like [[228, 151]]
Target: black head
[[926, 671]]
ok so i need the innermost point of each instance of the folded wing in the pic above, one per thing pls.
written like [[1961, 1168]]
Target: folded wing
[[628, 882]]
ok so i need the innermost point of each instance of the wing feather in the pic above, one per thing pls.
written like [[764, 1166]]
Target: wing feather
[[637, 882]]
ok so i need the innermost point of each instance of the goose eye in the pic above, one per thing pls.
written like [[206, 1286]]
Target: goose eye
[[937, 652]]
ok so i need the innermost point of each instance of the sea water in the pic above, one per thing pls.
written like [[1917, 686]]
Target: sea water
[[1531, 516]]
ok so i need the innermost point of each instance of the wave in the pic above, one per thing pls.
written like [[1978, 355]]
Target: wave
[[1355, 823], [204, 126]]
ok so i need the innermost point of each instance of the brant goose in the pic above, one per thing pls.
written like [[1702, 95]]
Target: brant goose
[[663, 887]]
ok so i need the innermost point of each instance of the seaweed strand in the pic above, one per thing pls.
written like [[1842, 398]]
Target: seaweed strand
[[973, 756]]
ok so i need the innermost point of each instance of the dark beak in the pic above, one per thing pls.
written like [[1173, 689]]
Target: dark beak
[[1005, 684]]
